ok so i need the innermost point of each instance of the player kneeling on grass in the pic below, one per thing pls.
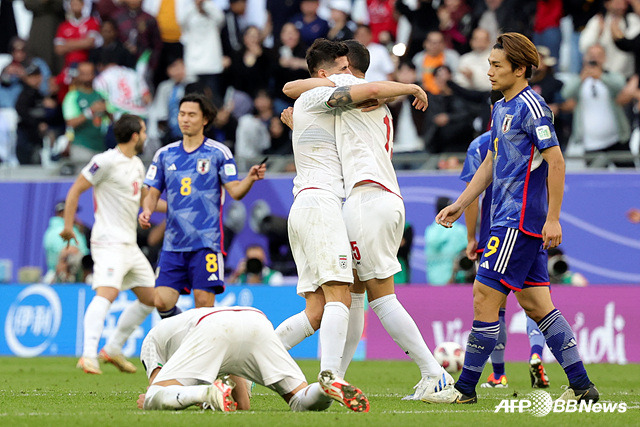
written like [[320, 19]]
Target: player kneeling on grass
[[186, 355]]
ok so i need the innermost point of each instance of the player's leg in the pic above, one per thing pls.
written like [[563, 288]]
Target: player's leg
[[356, 324], [173, 395], [538, 374], [335, 324], [304, 324], [498, 379], [206, 275], [94, 319], [171, 280]]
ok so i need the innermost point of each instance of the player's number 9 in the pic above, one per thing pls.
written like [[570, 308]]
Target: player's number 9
[[492, 245], [212, 263], [185, 188]]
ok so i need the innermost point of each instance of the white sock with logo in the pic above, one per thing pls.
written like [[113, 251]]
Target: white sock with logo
[[174, 396], [354, 333], [333, 334], [310, 398], [404, 331], [129, 320], [94, 324], [294, 329]]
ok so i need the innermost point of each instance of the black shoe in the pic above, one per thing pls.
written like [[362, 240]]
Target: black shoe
[[590, 394]]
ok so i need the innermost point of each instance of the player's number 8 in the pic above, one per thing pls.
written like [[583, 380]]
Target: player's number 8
[[212, 263], [185, 189], [492, 245]]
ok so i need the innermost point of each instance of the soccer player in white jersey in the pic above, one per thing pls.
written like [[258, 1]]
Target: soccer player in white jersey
[[317, 233], [185, 355], [119, 264], [373, 202]]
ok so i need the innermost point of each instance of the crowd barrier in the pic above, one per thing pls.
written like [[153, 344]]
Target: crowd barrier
[[40, 320]]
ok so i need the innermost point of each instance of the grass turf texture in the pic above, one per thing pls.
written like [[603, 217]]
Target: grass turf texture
[[51, 392]]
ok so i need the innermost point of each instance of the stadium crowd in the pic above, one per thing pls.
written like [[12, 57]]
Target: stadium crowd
[[87, 62]]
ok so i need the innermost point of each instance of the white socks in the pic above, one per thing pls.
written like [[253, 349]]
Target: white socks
[[405, 333], [310, 398], [94, 324], [129, 320], [354, 333], [174, 396], [333, 334], [294, 329]]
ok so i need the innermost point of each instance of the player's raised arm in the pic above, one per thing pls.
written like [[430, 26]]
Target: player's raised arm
[[297, 87], [238, 189], [349, 95], [552, 231], [71, 207]]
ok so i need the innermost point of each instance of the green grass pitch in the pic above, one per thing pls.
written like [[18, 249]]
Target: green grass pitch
[[51, 392]]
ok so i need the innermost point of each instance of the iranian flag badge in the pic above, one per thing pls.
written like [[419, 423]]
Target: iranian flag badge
[[343, 261]]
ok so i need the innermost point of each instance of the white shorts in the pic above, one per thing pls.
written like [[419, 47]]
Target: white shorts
[[319, 241], [374, 219], [121, 266], [239, 341]]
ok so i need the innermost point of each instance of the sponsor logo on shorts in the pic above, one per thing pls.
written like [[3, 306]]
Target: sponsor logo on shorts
[[212, 277], [342, 260], [485, 265], [110, 271]]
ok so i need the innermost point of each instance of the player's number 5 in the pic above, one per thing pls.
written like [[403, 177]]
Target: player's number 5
[[185, 188]]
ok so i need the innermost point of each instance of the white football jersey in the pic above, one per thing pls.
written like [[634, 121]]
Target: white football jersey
[[365, 143], [117, 180], [314, 144]]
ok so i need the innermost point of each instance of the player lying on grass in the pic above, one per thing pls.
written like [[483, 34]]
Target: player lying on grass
[[185, 355]]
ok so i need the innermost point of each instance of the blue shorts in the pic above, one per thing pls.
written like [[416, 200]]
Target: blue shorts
[[512, 261], [183, 271]]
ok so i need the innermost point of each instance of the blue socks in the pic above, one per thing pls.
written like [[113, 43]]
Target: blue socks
[[170, 313], [482, 340], [536, 339], [562, 343], [497, 356]]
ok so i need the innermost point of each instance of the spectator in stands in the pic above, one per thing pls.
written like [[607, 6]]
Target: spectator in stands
[[442, 247], [382, 20], [627, 44], [456, 22], [280, 12], [598, 31], [580, 11], [501, 16], [310, 25], [47, 17], [249, 71], [449, 118], [290, 63], [280, 138], [166, 13], [77, 35], [12, 74], [107, 9], [434, 55], [35, 112], [599, 123], [423, 20], [234, 27], [380, 65], [341, 27], [224, 128], [139, 32], [202, 22], [85, 111], [111, 43], [252, 135], [253, 269], [546, 25], [474, 65], [408, 123], [54, 245]]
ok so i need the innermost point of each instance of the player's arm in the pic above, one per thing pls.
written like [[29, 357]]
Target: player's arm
[[471, 221], [161, 205], [297, 87], [149, 204], [552, 231], [239, 189], [349, 95], [81, 185], [480, 181]]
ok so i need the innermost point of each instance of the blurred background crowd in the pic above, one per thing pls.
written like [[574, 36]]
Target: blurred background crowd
[[72, 67]]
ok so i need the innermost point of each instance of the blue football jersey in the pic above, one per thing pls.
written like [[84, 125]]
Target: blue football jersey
[[521, 129], [476, 154], [193, 182]]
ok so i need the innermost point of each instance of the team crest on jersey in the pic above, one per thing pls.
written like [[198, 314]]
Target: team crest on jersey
[[506, 123], [343, 261], [203, 166]]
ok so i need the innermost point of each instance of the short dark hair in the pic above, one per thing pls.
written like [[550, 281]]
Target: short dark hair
[[126, 126], [206, 106], [323, 52], [520, 52], [358, 55]]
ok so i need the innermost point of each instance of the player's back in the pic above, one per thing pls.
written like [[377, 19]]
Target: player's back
[[314, 144], [365, 143]]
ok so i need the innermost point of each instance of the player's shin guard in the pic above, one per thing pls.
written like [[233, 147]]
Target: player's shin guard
[[129, 320], [482, 340], [562, 343], [333, 335], [536, 338], [354, 333], [94, 324], [170, 313], [400, 326], [310, 398], [497, 356], [294, 329], [174, 396]]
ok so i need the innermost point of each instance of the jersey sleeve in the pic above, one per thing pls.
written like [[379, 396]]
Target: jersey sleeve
[[227, 170], [540, 129], [70, 107], [472, 161], [96, 169], [155, 174], [315, 100]]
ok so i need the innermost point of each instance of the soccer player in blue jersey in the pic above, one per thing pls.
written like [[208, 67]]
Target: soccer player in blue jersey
[[476, 153], [523, 161], [193, 172]]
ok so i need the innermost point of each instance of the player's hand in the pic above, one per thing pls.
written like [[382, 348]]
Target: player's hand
[[144, 219], [447, 216], [551, 234], [421, 102], [140, 401], [472, 247], [634, 216], [68, 235], [257, 171], [287, 117]]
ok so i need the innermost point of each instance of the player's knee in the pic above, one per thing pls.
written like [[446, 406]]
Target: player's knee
[[315, 318]]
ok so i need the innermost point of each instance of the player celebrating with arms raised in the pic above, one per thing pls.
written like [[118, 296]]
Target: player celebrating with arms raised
[[523, 160], [193, 171]]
